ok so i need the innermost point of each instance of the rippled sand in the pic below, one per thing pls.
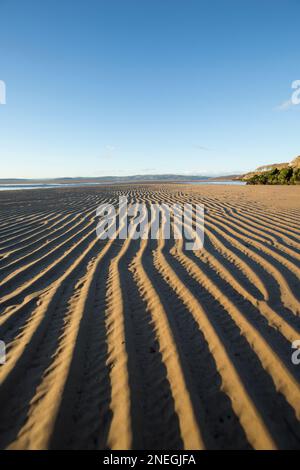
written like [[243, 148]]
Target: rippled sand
[[141, 344]]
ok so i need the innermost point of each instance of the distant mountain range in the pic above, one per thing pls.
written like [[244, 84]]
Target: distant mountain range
[[116, 179]]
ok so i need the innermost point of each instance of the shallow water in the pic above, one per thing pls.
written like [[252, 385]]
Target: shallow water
[[6, 187]]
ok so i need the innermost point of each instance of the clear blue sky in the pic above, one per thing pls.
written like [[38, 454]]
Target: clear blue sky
[[100, 87]]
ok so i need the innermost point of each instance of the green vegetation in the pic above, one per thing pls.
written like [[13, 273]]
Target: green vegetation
[[286, 175]]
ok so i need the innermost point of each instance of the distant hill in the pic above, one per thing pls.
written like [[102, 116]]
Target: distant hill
[[275, 173], [295, 163]]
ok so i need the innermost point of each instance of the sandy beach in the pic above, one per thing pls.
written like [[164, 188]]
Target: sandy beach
[[141, 344]]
